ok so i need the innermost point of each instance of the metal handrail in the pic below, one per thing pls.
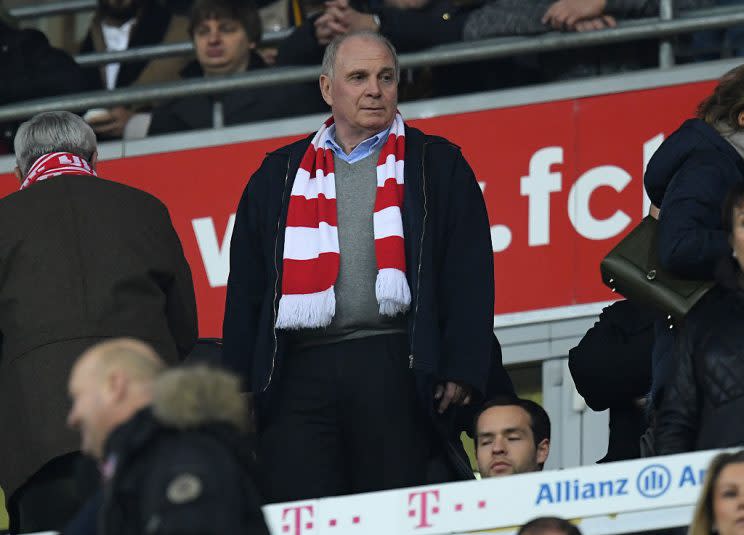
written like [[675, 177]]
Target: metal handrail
[[187, 48], [455, 53], [143, 53], [56, 8]]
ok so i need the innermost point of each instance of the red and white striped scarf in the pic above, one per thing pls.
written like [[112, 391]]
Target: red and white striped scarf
[[311, 251], [57, 163]]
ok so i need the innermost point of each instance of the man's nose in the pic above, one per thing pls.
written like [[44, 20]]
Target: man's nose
[[498, 445], [373, 87], [214, 36]]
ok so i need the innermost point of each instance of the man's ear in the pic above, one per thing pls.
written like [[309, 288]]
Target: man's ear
[[18, 174], [740, 119], [325, 89], [94, 160], [116, 384], [543, 449]]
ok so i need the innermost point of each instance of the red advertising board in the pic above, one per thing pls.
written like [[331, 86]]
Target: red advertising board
[[562, 182]]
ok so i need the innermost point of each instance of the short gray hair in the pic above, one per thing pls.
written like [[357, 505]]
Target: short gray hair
[[53, 131], [331, 51]]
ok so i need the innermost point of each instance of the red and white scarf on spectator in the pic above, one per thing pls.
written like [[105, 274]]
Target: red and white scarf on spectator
[[311, 251], [57, 163]]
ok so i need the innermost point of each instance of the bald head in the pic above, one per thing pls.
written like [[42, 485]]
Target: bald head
[[109, 383], [136, 359]]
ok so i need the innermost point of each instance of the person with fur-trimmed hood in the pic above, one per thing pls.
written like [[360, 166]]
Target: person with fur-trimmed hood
[[171, 443]]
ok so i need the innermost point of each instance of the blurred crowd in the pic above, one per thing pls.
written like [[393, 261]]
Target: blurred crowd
[[227, 39]]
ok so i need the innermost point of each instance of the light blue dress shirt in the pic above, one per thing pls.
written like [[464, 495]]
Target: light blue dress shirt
[[361, 151]]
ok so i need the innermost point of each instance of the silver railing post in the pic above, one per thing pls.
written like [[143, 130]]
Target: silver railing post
[[666, 48]]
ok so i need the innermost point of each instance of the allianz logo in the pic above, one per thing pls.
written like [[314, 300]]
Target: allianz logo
[[652, 481]]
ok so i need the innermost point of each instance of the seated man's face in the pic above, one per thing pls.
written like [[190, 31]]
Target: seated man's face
[[504, 443], [222, 46]]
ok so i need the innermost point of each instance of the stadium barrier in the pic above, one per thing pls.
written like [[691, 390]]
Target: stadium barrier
[[607, 499]]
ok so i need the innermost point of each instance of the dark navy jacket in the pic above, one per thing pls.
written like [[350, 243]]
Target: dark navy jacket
[[449, 263], [688, 178]]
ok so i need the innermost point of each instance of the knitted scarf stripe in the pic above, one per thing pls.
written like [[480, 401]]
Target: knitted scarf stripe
[[56, 163], [311, 251]]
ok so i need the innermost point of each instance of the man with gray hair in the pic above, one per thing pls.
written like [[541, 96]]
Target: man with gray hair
[[360, 299], [83, 259]]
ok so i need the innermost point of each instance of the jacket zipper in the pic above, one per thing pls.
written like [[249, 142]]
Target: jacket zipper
[[276, 280], [421, 250]]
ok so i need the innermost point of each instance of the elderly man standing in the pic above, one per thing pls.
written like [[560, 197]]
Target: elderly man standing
[[360, 299], [81, 259]]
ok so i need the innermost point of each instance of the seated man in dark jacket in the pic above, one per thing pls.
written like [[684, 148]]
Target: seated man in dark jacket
[[171, 443], [122, 25], [225, 33]]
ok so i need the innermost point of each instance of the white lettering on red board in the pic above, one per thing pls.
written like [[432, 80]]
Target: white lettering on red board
[[537, 186], [216, 257]]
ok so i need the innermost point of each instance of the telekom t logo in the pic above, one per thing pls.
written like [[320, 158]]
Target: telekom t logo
[[295, 524], [423, 506]]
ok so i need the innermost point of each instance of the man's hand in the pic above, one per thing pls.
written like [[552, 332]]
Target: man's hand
[[564, 14], [597, 23], [452, 393], [113, 124], [340, 18]]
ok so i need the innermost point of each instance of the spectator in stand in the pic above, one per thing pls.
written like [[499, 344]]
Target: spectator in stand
[[225, 33], [83, 259], [548, 525], [323, 295], [31, 68], [721, 501], [176, 436], [702, 404], [512, 436], [121, 25], [611, 368], [688, 177]]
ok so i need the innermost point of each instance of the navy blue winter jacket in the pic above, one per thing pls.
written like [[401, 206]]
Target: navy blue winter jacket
[[688, 178], [449, 263]]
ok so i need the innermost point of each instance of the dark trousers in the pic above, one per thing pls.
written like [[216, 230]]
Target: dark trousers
[[49, 499], [346, 420]]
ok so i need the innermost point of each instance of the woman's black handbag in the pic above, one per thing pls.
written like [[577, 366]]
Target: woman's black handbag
[[632, 269]]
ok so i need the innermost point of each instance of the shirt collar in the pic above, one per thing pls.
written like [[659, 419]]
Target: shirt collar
[[365, 148]]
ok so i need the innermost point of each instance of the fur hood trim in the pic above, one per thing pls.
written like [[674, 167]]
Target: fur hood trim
[[192, 396]]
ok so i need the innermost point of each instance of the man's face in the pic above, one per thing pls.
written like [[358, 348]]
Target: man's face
[[90, 406], [363, 93], [505, 443], [222, 46]]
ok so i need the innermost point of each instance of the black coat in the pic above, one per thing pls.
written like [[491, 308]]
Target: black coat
[[31, 68], [688, 178], [703, 404], [81, 259], [244, 106], [167, 480], [611, 368], [448, 254]]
